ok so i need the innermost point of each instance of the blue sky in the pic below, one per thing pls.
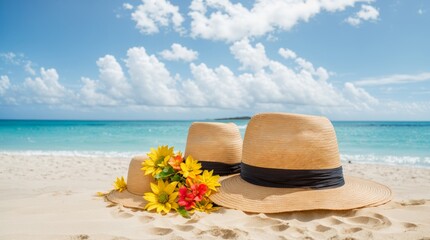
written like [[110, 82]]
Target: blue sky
[[160, 59]]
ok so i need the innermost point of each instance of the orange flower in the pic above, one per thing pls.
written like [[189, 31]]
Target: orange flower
[[176, 161]]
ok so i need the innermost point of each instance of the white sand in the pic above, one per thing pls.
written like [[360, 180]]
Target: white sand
[[46, 197]]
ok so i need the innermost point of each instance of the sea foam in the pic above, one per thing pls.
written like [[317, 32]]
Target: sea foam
[[74, 153], [387, 159]]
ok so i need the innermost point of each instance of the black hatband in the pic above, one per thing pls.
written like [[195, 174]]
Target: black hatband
[[219, 168], [292, 178]]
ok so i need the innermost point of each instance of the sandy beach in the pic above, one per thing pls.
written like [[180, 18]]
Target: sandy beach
[[52, 197]]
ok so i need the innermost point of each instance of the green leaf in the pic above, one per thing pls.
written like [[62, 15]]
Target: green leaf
[[184, 213], [167, 172], [169, 169], [176, 178]]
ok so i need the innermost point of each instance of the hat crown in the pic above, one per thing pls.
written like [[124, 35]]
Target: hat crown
[[290, 141], [137, 182], [214, 142]]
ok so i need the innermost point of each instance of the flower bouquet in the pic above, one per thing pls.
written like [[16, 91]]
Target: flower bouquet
[[180, 185]]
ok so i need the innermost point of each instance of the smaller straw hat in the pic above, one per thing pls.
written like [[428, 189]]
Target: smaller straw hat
[[137, 184], [291, 163], [217, 146]]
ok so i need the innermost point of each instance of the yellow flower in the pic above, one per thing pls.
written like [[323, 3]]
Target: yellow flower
[[120, 184], [101, 194], [158, 160], [162, 198], [212, 181], [205, 206], [191, 168]]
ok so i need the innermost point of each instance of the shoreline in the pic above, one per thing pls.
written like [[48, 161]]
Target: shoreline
[[389, 160], [52, 197]]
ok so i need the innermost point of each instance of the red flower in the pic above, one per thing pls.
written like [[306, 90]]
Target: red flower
[[186, 198], [198, 191], [189, 197]]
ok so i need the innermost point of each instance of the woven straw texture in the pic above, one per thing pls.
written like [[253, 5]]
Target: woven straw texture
[[214, 142], [292, 141], [137, 184]]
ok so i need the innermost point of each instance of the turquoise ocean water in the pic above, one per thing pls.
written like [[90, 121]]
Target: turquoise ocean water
[[399, 143]]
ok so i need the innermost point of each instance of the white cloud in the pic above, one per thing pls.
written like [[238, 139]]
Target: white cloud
[[287, 53], [359, 96], [394, 79], [90, 94], [265, 82], [144, 81], [320, 72], [217, 88], [408, 108], [421, 11], [301, 87], [366, 13], [29, 69], [46, 88], [127, 6], [11, 58], [387, 109], [151, 81], [112, 77], [179, 52], [18, 59], [152, 14], [273, 83], [227, 21], [4, 84], [353, 21], [253, 58]]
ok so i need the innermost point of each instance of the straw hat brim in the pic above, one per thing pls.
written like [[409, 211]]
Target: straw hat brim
[[127, 199], [238, 194], [222, 178]]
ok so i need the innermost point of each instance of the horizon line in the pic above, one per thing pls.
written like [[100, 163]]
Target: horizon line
[[207, 119]]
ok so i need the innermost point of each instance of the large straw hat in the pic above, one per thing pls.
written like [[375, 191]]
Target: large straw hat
[[217, 146], [137, 184], [291, 163]]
